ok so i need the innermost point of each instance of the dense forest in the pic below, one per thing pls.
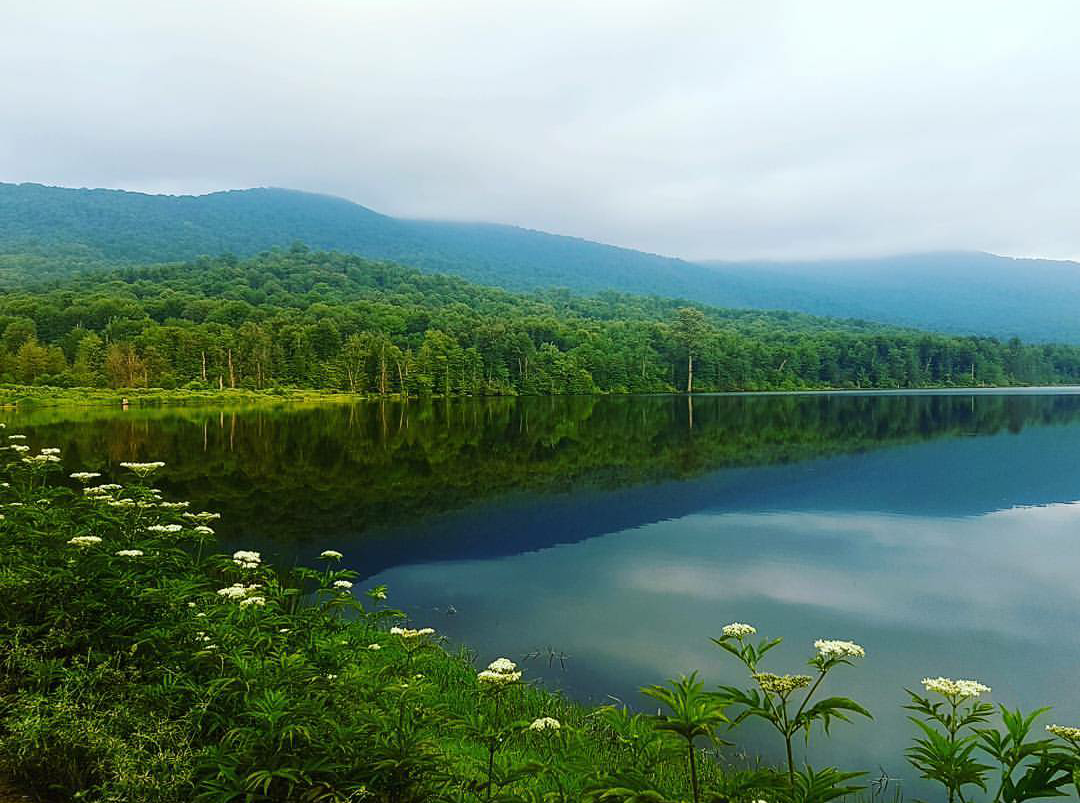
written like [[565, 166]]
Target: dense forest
[[334, 321], [58, 232]]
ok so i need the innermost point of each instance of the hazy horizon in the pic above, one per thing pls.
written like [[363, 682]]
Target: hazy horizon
[[706, 131]]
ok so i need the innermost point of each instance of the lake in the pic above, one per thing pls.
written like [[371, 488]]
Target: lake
[[601, 542]]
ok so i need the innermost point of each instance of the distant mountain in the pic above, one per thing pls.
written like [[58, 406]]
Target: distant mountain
[[53, 231], [960, 292]]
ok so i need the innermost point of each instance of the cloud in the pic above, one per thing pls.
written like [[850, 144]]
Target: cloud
[[699, 129]]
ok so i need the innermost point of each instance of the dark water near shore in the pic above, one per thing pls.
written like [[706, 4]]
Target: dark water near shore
[[609, 538]]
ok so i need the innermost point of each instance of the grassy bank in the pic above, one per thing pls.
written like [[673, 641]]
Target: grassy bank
[[141, 666], [29, 396]]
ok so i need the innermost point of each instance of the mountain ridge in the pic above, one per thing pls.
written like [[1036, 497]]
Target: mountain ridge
[[55, 231]]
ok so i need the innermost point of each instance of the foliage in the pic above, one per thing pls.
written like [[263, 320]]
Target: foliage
[[331, 321]]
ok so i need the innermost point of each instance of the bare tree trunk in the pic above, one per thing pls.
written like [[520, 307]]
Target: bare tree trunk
[[690, 373], [204, 366], [232, 372]]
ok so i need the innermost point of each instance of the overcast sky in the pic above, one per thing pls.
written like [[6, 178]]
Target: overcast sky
[[696, 129]]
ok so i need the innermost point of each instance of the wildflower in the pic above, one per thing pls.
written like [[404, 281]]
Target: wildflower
[[245, 559], [502, 665], [121, 503], [143, 469], [16, 437], [344, 585], [129, 553], [85, 476], [202, 518], [330, 554], [202, 529], [256, 601], [498, 678], [174, 505], [781, 685], [283, 630], [331, 677], [374, 646], [17, 447], [406, 633], [164, 528], [958, 689], [1065, 732], [838, 649], [84, 540], [41, 459], [500, 672], [238, 590], [545, 724], [51, 450], [739, 630]]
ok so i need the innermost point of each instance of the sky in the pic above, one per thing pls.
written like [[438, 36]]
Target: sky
[[710, 129]]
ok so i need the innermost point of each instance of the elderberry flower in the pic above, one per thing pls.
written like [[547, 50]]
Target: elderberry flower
[[203, 517], [344, 585], [256, 601], [202, 529], [173, 505], [18, 447], [500, 672], [41, 459], [1065, 732], [838, 649], [84, 540], [143, 469], [545, 724], [246, 560], [164, 528], [959, 689], [129, 553], [374, 646], [739, 630], [781, 685], [85, 476], [121, 503], [50, 450], [238, 590], [16, 437], [330, 554], [406, 633]]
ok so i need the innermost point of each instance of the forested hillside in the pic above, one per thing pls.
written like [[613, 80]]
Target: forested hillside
[[52, 231], [330, 320]]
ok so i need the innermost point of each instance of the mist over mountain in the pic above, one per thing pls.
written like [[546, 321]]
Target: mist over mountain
[[54, 232]]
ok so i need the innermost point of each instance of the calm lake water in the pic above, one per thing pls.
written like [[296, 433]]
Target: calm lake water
[[609, 538]]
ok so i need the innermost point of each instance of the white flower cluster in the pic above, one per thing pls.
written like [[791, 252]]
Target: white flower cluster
[[143, 469], [129, 553], [246, 559], [374, 646], [202, 518], [344, 585], [18, 447], [960, 689], [238, 590], [52, 450], [167, 529], [500, 672], [124, 503], [739, 630], [16, 437], [202, 529], [84, 540], [406, 633], [781, 685], [42, 459], [173, 505], [831, 648], [85, 476], [258, 602], [1065, 732], [545, 724], [330, 554]]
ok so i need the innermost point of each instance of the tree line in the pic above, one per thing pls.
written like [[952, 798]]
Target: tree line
[[333, 321]]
